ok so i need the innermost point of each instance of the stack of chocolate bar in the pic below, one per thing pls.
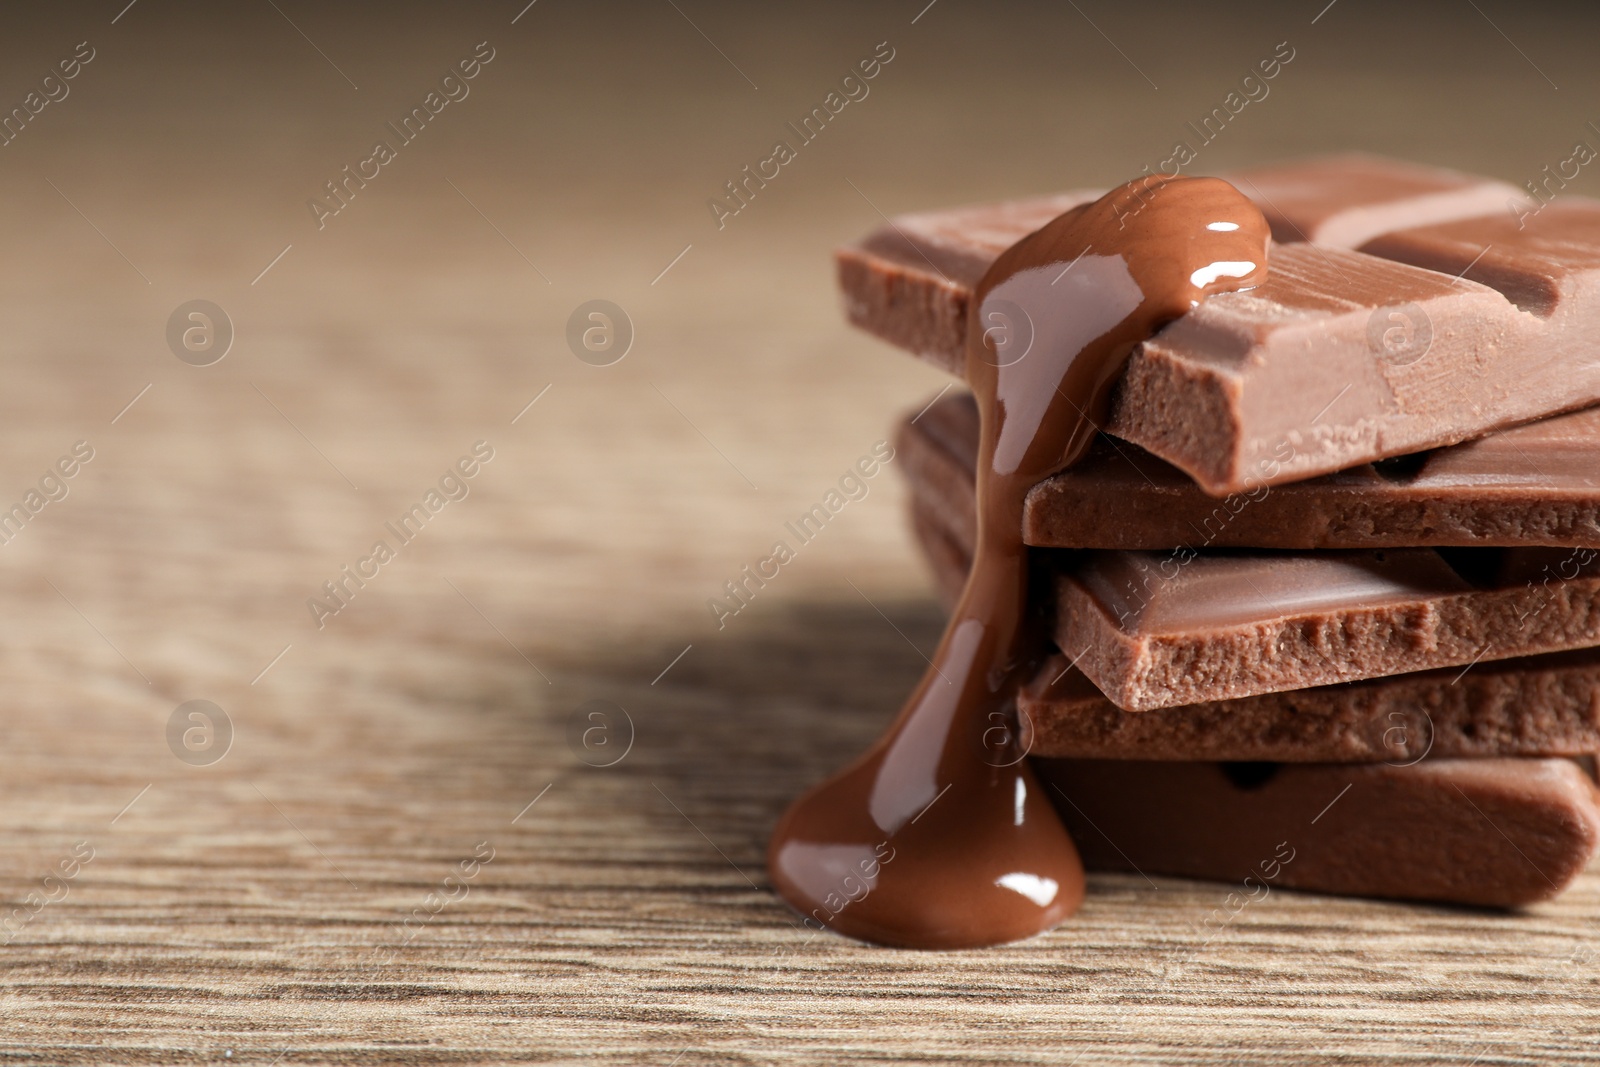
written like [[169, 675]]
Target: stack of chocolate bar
[[1294, 615]]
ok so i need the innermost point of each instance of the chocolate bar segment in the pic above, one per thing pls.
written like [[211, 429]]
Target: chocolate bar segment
[[1492, 832], [1537, 484], [1545, 705], [1158, 630], [1534, 706], [1340, 358], [1346, 201], [910, 282], [1544, 263]]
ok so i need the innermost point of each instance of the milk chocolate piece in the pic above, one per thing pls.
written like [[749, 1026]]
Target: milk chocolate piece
[[1341, 357], [1157, 630], [1533, 706], [910, 282], [1491, 832], [1537, 484]]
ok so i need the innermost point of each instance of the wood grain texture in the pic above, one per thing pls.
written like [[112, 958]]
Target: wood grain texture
[[255, 906]]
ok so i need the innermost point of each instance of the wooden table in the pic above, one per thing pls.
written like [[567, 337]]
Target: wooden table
[[417, 756]]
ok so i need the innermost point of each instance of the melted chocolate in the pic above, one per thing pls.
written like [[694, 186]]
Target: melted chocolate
[[940, 835]]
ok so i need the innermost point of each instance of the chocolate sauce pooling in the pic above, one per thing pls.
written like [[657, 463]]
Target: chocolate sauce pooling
[[940, 835]]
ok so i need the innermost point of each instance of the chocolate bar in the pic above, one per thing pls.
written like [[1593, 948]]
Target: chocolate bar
[[1491, 832], [1424, 337], [1534, 706], [1537, 484], [1545, 705], [1157, 630]]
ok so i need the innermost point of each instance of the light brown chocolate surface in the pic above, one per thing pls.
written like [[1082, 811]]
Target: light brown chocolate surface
[[1345, 201], [1492, 832], [1540, 262], [1342, 357], [1537, 484]]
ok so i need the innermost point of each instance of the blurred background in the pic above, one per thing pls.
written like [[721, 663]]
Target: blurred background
[[268, 880]]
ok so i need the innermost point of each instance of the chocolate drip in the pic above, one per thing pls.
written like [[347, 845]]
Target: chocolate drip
[[940, 835]]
